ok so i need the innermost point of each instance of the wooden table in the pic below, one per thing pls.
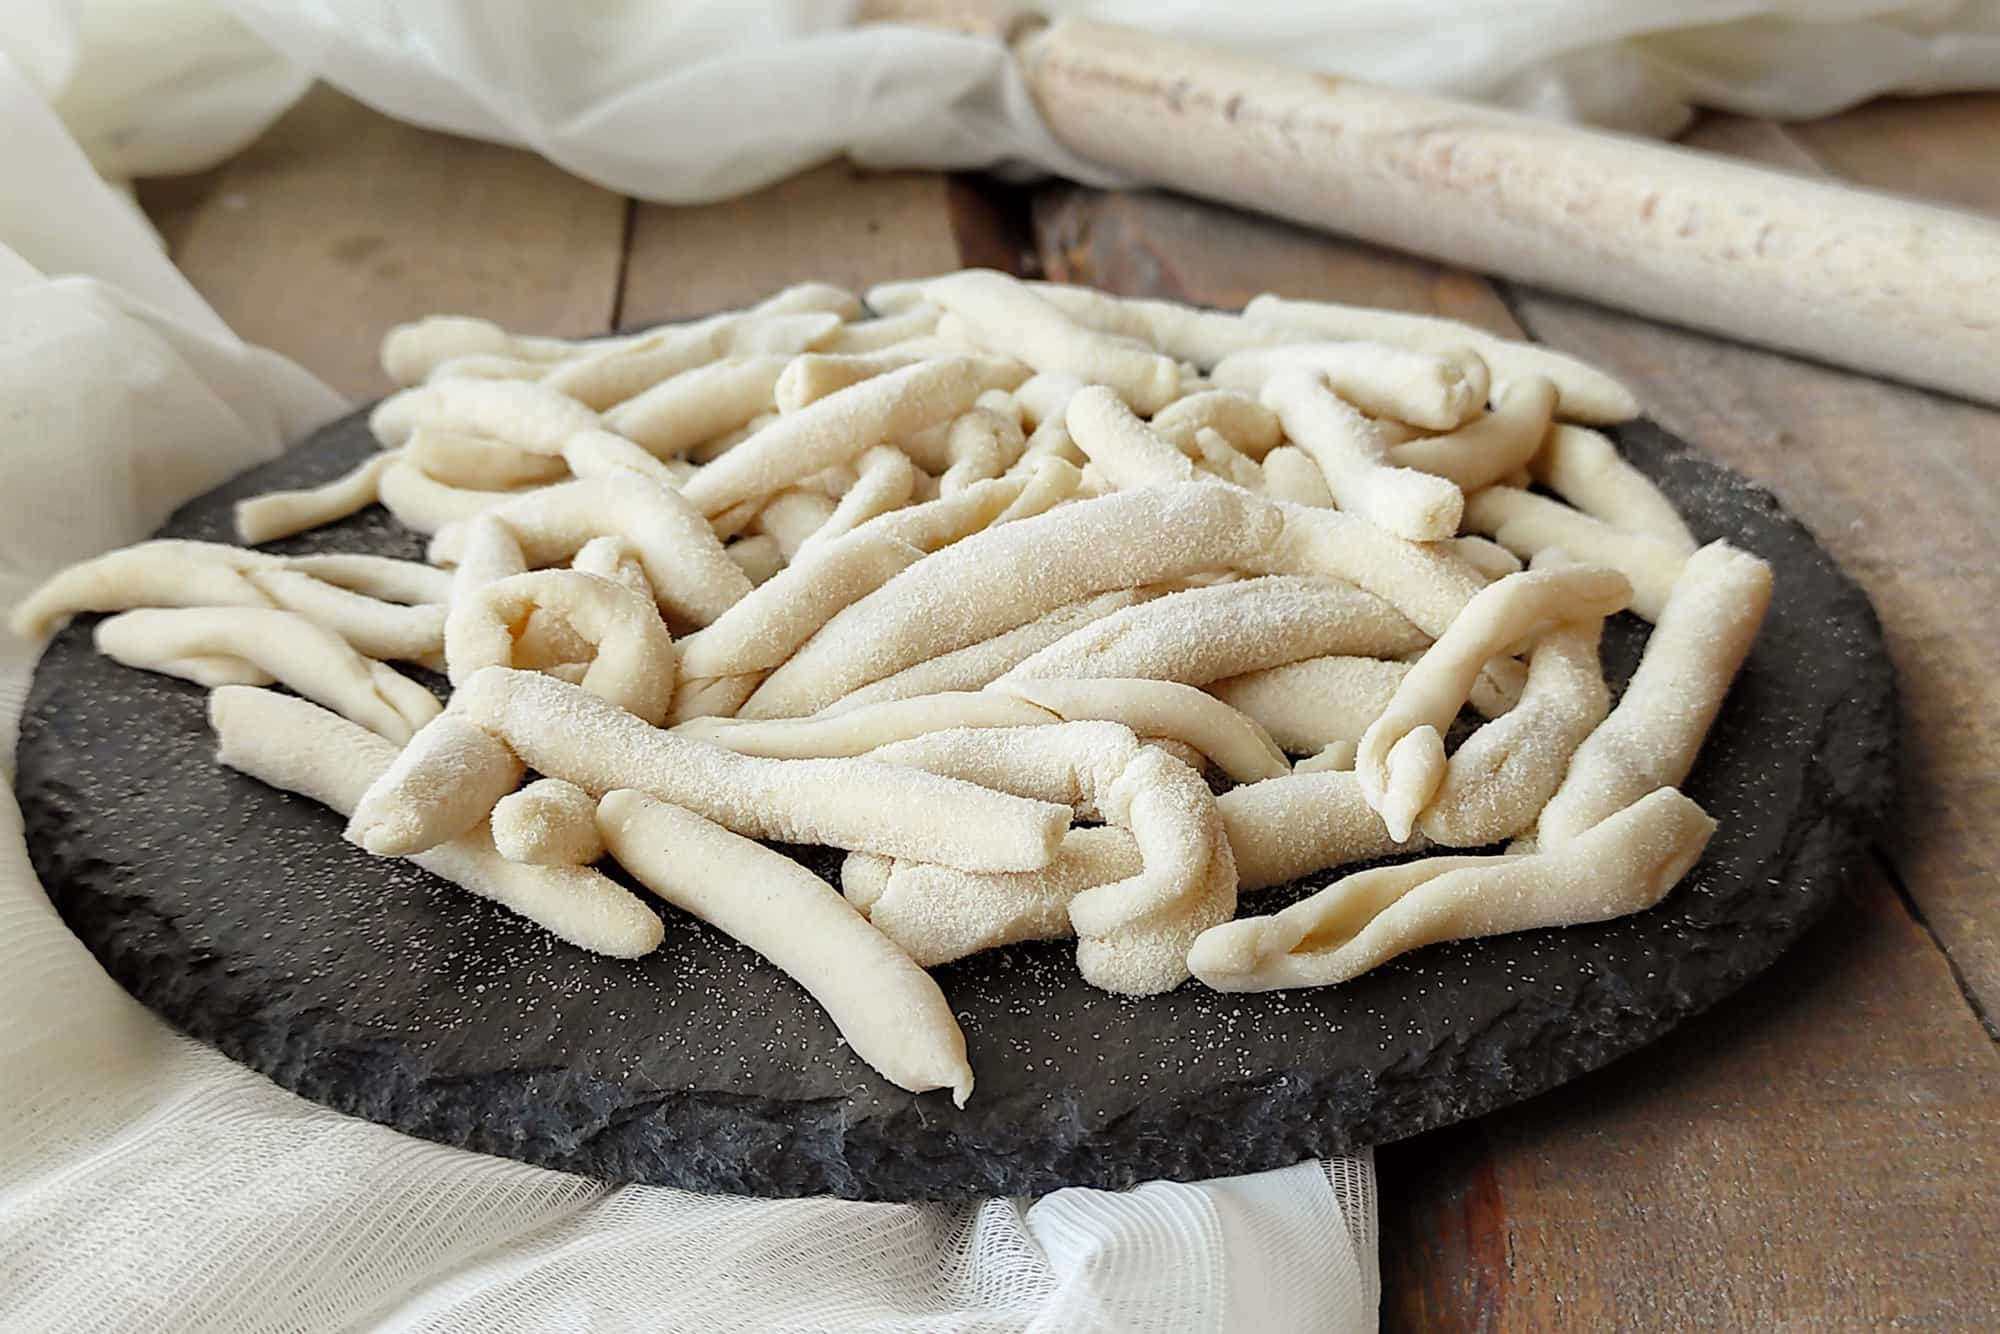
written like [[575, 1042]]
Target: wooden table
[[1821, 1150]]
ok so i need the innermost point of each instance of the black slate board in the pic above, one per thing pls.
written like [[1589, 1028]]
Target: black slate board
[[236, 911]]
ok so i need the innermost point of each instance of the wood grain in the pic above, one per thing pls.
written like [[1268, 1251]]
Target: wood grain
[[1736, 1174], [1816, 1153], [833, 223], [1944, 149], [340, 222], [1904, 488]]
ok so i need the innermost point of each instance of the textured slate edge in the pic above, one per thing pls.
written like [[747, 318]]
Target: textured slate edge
[[752, 1144]]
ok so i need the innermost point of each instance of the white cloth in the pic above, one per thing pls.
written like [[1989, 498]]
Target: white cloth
[[147, 1183], [702, 99]]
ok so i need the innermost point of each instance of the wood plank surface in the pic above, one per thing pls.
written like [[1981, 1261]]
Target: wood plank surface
[[832, 223], [340, 222], [1817, 1152], [1735, 1175]]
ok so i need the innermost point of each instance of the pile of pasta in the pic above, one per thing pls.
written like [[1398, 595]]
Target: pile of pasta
[[991, 584]]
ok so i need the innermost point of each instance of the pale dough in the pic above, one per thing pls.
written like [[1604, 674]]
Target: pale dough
[[1278, 830], [1626, 864], [488, 366], [1587, 470], [760, 558], [1651, 739], [683, 560], [1586, 393], [1006, 576], [476, 463], [1489, 448], [1284, 828], [564, 732], [1487, 556], [698, 405], [937, 914], [711, 696], [516, 412], [1498, 780], [1401, 759], [1008, 317], [791, 517], [1354, 461], [1206, 634], [874, 335], [889, 1010], [1185, 333], [486, 552], [612, 377], [884, 480], [1427, 582], [857, 731], [632, 662], [601, 454], [1044, 397], [613, 558], [440, 785], [981, 444], [769, 624], [1237, 417], [1229, 740], [1133, 933], [1049, 482], [1527, 524], [162, 573], [1335, 755], [1124, 450], [375, 628], [837, 428], [810, 378], [1432, 391], [277, 514], [1217, 456], [425, 505], [1310, 704], [980, 664], [299, 747], [406, 581], [548, 823], [412, 351], [1290, 475], [315, 662], [934, 641]]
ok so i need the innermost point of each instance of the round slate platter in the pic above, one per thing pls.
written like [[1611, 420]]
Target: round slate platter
[[237, 912]]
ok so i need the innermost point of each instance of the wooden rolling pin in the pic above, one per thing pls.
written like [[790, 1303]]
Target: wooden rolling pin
[[1862, 279]]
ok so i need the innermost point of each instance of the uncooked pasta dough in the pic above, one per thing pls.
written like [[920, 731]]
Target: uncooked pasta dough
[[888, 1009], [986, 588], [1625, 864]]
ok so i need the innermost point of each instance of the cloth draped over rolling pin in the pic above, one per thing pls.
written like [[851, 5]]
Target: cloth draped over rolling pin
[[755, 91], [706, 99]]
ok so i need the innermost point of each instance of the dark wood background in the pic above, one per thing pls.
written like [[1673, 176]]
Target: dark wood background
[[1821, 1151]]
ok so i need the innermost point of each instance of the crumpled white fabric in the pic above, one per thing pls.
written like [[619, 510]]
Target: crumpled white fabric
[[149, 1184], [703, 99]]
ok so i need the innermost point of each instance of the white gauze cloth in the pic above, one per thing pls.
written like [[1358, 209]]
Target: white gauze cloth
[[702, 99], [149, 1184]]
